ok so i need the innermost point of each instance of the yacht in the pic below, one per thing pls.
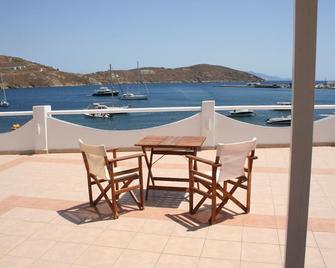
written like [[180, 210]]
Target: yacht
[[105, 91], [99, 106], [3, 102], [282, 120], [132, 96], [284, 104], [241, 112]]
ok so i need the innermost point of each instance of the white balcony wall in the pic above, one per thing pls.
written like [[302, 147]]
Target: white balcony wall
[[64, 136], [47, 134], [20, 140]]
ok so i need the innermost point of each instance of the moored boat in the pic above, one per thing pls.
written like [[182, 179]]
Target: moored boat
[[105, 91], [241, 112], [99, 106], [282, 120], [132, 96]]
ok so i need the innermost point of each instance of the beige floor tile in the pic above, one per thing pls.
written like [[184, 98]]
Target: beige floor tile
[[30, 214], [126, 224], [264, 253], [260, 235], [31, 248], [48, 264], [328, 256], [53, 232], [97, 256], [8, 242], [14, 262], [64, 252], [133, 258], [176, 261], [160, 227], [184, 246], [148, 242], [225, 232], [114, 238], [19, 227], [195, 232], [217, 263], [82, 235], [259, 265], [229, 250], [325, 240]]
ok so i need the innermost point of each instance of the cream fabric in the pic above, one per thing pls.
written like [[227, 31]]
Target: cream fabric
[[232, 158], [96, 159]]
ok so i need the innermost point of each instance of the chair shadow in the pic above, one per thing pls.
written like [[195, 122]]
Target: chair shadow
[[200, 220]]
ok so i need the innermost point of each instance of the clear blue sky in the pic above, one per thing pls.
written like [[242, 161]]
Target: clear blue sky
[[86, 35]]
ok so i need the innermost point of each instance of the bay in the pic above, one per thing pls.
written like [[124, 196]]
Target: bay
[[160, 95]]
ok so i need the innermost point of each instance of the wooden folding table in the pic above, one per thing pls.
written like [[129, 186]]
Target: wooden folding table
[[168, 145]]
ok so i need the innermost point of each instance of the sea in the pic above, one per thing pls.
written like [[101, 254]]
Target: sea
[[160, 95]]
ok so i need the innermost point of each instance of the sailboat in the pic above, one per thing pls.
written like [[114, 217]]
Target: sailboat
[[98, 106], [3, 101], [132, 96]]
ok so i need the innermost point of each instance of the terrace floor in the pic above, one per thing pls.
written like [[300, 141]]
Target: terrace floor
[[45, 220]]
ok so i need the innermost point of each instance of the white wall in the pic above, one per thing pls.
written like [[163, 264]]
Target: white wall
[[58, 135], [19, 140], [64, 135]]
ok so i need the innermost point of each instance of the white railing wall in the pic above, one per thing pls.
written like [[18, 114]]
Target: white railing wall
[[48, 134]]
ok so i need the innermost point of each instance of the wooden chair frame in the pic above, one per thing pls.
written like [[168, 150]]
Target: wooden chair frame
[[214, 189], [126, 177]]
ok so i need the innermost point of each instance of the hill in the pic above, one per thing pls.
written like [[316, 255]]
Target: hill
[[20, 73]]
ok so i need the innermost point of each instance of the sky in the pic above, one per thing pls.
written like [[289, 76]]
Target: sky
[[86, 36]]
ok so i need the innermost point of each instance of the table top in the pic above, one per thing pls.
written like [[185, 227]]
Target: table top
[[171, 141]]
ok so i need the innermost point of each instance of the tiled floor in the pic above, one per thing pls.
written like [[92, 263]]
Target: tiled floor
[[45, 220]]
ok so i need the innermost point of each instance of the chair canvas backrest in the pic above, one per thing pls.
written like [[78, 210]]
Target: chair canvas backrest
[[95, 155], [232, 158]]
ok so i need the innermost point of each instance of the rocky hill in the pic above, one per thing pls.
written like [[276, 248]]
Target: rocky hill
[[196, 74], [20, 73]]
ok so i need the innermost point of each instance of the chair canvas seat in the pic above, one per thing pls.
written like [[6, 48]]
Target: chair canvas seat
[[100, 170], [232, 166]]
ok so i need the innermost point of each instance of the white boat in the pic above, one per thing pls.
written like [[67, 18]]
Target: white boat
[[132, 96], [241, 112], [3, 101], [282, 120], [99, 106], [105, 91], [284, 104]]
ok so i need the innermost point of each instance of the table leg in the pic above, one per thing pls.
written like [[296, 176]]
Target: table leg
[[149, 165]]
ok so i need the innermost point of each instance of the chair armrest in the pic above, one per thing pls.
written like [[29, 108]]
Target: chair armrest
[[122, 158], [112, 149], [203, 160]]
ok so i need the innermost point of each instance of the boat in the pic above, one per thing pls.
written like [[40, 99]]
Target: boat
[[105, 91], [241, 112], [99, 106], [285, 105], [282, 120], [3, 101], [132, 96]]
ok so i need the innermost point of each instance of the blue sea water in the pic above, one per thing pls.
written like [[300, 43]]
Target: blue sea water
[[160, 95]]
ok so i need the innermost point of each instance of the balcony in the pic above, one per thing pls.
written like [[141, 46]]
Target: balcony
[[45, 220]]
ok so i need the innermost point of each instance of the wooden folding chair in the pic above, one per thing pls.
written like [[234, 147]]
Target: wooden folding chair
[[100, 169], [228, 168]]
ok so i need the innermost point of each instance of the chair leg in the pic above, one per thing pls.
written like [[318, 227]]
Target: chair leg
[[213, 208], [116, 213], [248, 195], [90, 195], [191, 185], [141, 183]]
